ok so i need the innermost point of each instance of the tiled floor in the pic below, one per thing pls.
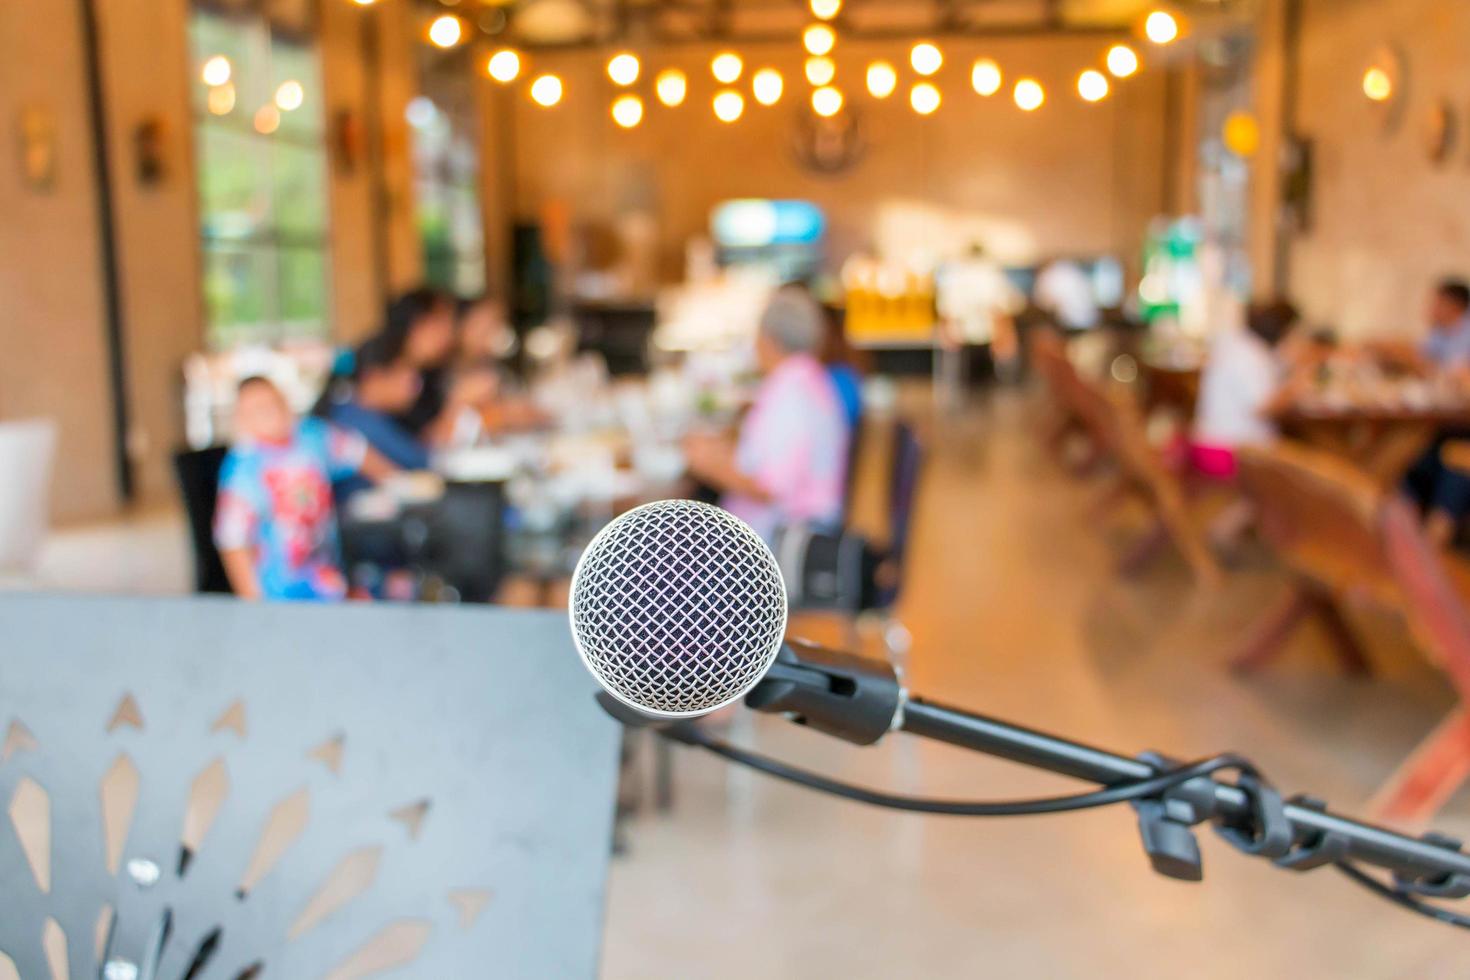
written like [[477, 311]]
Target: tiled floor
[[1015, 613]]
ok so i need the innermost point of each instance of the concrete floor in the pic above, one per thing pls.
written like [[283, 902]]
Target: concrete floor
[[1014, 612]]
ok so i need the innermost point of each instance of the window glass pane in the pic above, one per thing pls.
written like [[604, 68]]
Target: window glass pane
[[303, 285], [234, 182], [293, 72], [238, 286]]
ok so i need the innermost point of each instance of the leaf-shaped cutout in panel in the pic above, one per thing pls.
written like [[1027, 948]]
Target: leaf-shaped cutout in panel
[[412, 817], [469, 902], [329, 753], [285, 824], [233, 720], [396, 944], [53, 942], [18, 739], [7, 968], [119, 793], [30, 815], [352, 876], [102, 932], [207, 795], [127, 714]]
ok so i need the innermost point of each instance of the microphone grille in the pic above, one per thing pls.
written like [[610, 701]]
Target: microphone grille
[[678, 608]]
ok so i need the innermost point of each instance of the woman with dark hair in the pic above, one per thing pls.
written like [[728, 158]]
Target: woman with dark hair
[[383, 385], [420, 325]]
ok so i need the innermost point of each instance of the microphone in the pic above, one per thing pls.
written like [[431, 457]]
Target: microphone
[[679, 609]]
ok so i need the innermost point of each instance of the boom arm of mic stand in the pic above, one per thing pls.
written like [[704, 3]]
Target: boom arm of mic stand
[[860, 700]]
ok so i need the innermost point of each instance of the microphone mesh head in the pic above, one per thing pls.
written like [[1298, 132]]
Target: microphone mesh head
[[678, 608]]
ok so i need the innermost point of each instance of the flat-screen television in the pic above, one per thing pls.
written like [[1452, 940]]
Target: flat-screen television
[[785, 236]]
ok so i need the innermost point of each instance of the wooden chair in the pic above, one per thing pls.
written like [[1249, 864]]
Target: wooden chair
[[1347, 540], [1320, 515], [1115, 427]]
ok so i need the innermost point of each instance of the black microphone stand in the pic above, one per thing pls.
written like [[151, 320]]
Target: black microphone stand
[[861, 700]]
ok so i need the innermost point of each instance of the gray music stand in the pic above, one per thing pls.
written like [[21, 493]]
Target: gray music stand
[[202, 788]]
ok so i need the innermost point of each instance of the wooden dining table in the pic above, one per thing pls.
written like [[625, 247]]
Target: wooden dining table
[[1384, 440]]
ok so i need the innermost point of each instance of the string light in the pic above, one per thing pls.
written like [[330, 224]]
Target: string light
[[882, 79], [985, 77], [819, 39], [1122, 61], [820, 70], [627, 111], [290, 95], [446, 31], [924, 98], [267, 119], [825, 9], [1377, 84], [1161, 27], [1029, 94], [827, 101], [216, 70], [546, 91], [729, 104], [504, 66], [623, 69], [925, 58], [671, 86], [1092, 85], [766, 85], [1242, 134], [726, 67], [221, 99]]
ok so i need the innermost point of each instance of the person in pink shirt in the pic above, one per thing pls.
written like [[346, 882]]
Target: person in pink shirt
[[788, 465]]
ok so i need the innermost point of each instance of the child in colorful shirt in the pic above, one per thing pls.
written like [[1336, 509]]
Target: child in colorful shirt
[[275, 525]]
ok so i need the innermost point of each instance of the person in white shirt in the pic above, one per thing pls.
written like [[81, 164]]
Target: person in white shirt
[[1242, 378]]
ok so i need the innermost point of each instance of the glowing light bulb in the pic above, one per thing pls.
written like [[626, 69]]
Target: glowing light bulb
[[216, 70], [623, 69], [882, 79], [726, 67], [825, 9], [1161, 27], [820, 70], [1377, 85], [221, 99], [446, 31], [924, 98], [1122, 61], [827, 101], [546, 91], [1029, 94], [985, 77], [819, 39], [1242, 134], [267, 119], [1092, 85], [728, 104], [504, 66], [671, 86], [290, 96], [627, 111], [767, 86], [925, 58]]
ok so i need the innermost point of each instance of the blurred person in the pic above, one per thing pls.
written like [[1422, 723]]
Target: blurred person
[[1446, 347], [421, 324], [788, 463], [1065, 292], [487, 344], [977, 305], [275, 523], [383, 385], [485, 333]]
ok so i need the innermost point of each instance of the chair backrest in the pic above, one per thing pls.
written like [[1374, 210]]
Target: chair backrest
[[27, 450], [907, 463], [197, 471], [1434, 600], [466, 539], [1322, 516]]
